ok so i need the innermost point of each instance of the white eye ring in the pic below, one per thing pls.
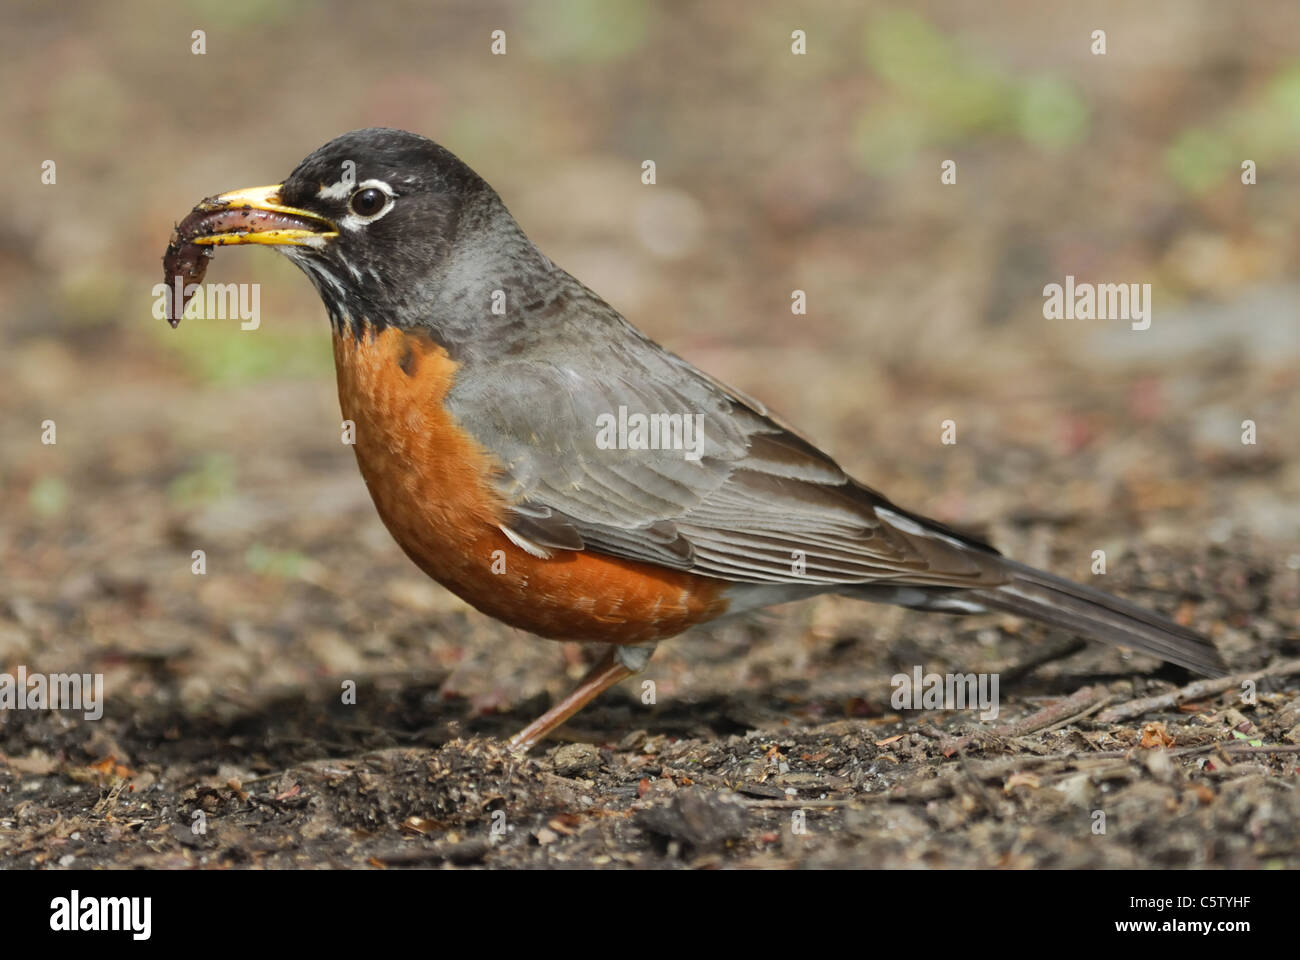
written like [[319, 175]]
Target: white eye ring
[[354, 221]]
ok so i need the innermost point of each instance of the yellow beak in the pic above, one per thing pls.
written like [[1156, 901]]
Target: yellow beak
[[255, 215]]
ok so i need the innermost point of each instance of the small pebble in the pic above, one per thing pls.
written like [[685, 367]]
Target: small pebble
[[576, 759]]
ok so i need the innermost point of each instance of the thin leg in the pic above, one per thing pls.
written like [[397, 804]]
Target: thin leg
[[616, 665]]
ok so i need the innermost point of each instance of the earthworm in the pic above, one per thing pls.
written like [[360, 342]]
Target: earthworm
[[185, 263]]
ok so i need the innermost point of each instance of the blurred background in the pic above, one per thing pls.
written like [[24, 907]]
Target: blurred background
[[775, 172]]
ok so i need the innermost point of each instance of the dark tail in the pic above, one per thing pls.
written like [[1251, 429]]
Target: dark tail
[[1099, 616]]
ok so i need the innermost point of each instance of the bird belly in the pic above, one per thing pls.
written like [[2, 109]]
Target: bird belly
[[433, 486]]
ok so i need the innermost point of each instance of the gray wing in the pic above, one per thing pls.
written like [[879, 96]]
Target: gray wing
[[760, 504]]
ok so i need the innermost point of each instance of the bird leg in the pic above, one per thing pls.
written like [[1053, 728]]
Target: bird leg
[[619, 663]]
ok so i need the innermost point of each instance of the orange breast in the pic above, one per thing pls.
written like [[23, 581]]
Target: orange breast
[[432, 485]]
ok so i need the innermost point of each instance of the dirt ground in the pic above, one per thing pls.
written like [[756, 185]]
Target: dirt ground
[[225, 695], [771, 741]]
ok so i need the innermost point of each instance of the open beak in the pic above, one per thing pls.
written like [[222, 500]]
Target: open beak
[[255, 215]]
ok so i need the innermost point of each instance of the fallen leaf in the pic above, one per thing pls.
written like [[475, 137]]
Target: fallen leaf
[[1021, 780], [109, 767], [419, 825], [565, 823], [1155, 735]]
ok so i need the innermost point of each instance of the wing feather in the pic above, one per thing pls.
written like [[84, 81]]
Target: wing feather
[[755, 502]]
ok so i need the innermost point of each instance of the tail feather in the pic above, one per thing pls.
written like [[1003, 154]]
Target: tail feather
[[1099, 616]]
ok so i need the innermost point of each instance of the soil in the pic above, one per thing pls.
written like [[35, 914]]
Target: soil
[[299, 695]]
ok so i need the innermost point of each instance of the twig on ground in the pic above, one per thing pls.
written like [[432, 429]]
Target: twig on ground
[[794, 804], [1101, 702], [1193, 691], [1081, 703]]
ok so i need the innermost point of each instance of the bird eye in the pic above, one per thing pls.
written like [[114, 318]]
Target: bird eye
[[368, 202]]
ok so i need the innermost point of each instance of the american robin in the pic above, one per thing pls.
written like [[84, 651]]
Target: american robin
[[538, 455]]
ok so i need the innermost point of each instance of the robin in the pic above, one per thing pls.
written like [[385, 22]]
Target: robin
[[556, 468]]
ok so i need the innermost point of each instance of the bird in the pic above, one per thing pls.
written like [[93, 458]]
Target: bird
[[541, 457]]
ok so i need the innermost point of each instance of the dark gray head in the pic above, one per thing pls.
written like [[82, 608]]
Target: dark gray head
[[396, 200], [395, 230]]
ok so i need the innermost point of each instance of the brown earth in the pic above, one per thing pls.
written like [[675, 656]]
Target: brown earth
[[224, 690]]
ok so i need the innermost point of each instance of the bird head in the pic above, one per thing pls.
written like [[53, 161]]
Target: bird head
[[370, 217]]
